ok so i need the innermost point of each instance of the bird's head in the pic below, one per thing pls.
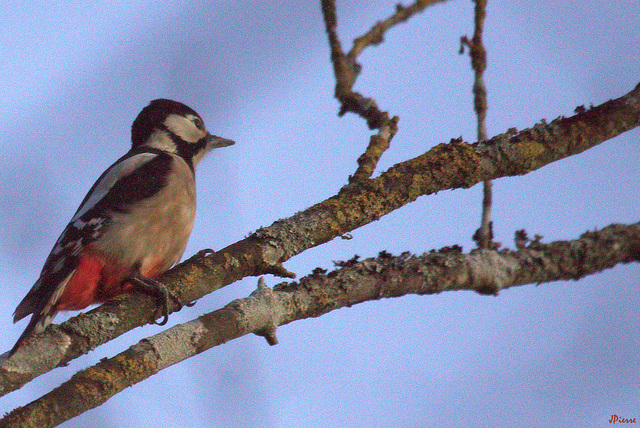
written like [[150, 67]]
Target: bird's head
[[176, 128]]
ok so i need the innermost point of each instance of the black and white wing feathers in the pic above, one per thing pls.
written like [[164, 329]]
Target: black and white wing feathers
[[136, 176]]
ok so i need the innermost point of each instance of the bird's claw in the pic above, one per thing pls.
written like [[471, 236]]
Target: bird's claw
[[157, 288]]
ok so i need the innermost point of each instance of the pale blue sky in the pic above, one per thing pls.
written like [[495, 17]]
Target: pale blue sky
[[74, 76]]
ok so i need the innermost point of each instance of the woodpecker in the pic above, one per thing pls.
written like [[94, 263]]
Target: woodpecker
[[134, 223]]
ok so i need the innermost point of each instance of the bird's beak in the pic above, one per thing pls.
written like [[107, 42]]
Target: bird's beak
[[216, 142]]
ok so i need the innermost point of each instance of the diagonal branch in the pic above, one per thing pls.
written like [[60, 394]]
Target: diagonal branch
[[345, 67], [446, 166], [346, 71], [375, 35], [484, 271], [378, 144]]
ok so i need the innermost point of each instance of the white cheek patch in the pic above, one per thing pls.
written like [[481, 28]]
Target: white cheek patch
[[162, 141], [184, 128], [114, 174]]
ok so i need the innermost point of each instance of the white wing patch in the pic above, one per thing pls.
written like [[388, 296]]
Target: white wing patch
[[113, 174]]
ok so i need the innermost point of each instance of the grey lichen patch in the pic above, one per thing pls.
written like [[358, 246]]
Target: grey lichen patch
[[40, 353], [490, 271], [231, 261], [170, 346], [271, 253], [259, 310], [93, 328]]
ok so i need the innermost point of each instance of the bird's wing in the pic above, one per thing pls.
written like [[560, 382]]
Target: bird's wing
[[133, 177], [43, 314], [115, 178]]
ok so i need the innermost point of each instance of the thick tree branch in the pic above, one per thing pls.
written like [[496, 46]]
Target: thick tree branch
[[484, 271], [446, 166]]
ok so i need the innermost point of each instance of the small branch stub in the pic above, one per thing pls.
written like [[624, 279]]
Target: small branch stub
[[269, 332]]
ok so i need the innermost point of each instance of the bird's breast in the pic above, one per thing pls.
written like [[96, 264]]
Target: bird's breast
[[154, 232]]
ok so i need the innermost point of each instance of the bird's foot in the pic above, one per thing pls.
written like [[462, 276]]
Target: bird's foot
[[158, 289]]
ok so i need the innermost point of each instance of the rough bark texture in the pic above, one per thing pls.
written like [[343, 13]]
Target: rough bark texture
[[484, 271], [446, 166]]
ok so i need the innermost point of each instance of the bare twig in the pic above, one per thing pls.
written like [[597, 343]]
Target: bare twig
[[445, 166], [478, 53], [484, 271], [375, 35], [484, 234], [378, 144], [347, 69]]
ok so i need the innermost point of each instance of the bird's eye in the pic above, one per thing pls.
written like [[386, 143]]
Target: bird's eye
[[198, 123]]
